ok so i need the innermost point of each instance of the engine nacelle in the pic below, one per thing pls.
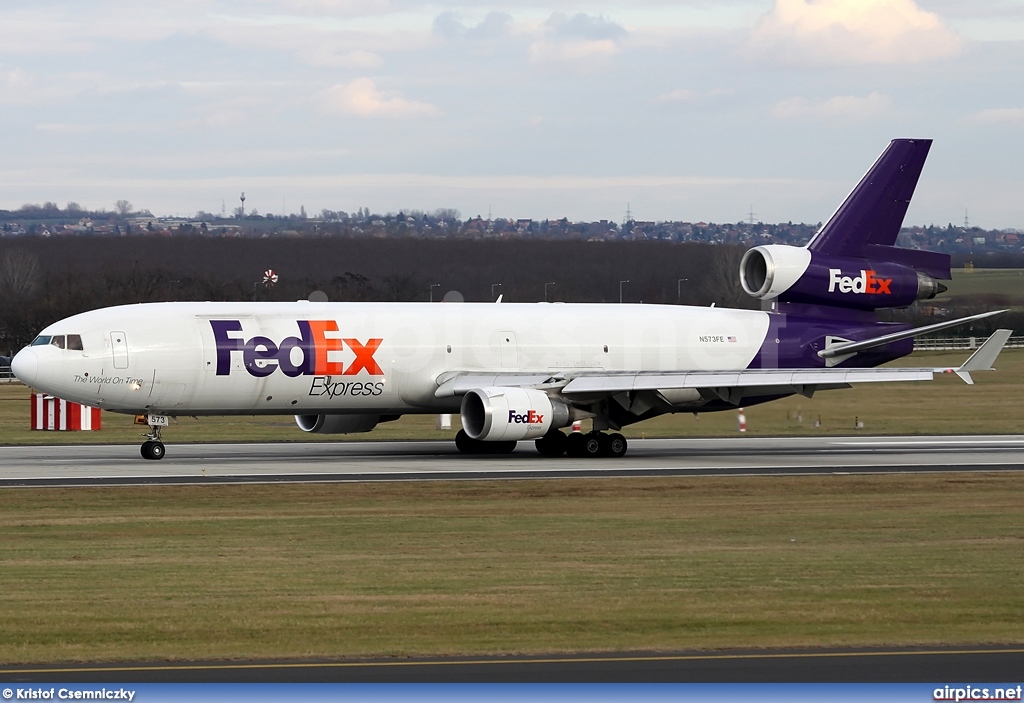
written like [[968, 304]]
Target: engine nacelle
[[336, 424], [508, 414], [768, 271], [799, 275]]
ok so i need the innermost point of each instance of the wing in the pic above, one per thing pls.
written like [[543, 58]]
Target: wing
[[730, 386]]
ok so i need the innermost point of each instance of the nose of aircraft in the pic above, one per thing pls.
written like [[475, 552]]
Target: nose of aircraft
[[25, 366]]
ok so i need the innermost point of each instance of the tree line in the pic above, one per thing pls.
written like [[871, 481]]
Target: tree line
[[45, 279]]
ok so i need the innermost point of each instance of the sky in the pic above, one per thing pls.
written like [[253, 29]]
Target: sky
[[690, 110]]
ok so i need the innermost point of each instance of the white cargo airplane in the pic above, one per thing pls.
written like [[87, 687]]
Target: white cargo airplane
[[523, 371]]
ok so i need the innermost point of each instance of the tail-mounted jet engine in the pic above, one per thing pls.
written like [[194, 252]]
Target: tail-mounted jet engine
[[510, 414], [799, 275]]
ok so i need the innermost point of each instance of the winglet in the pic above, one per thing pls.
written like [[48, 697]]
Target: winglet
[[983, 359]]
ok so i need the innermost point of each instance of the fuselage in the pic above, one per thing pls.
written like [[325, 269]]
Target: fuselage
[[382, 358], [517, 371]]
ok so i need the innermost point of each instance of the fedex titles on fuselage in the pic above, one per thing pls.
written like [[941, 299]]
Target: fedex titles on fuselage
[[262, 356], [866, 282]]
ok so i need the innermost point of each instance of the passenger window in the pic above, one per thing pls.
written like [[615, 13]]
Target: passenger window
[[41, 341], [75, 342], [58, 341]]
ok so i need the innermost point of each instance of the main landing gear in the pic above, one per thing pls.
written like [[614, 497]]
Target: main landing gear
[[578, 444], [153, 447], [554, 443]]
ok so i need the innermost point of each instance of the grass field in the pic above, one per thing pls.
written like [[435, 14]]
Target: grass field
[[516, 566], [944, 406], [1005, 284]]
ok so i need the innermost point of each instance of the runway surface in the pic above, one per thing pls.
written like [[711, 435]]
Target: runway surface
[[415, 461], [946, 666]]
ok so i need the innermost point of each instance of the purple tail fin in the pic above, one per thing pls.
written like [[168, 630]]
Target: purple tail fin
[[867, 223]]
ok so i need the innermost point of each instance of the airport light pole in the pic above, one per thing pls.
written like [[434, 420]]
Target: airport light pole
[[432, 287], [620, 290], [493, 286], [679, 288], [551, 283]]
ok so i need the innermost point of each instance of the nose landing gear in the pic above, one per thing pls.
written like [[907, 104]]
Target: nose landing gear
[[152, 450], [153, 447]]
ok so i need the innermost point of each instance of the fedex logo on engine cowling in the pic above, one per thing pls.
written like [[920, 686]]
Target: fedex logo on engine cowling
[[530, 417], [866, 282], [302, 355]]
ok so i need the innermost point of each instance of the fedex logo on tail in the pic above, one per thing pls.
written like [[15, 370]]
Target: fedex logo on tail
[[303, 355], [866, 282], [530, 417]]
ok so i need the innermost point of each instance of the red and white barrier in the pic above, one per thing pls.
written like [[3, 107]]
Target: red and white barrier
[[741, 421], [51, 413]]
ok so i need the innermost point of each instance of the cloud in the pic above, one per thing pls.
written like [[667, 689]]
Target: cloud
[[583, 26], [675, 96], [491, 28], [30, 31], [683, 96], [20, 87], [586, 56], [361, 98], [1001, 115], [233, 112], [14, 80], [330, 56], [581, 42], [851, 108], [66, 128], [336, 8], [852, 32]]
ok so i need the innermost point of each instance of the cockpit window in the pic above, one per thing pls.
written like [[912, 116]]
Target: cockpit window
[[58, 341], [75, 342], [41, 341]]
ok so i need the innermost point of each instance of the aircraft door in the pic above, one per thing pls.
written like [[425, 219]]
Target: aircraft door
[[119, 348]]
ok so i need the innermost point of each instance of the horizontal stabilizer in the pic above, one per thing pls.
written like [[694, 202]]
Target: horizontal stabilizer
[[847, 348], [983, 359]]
